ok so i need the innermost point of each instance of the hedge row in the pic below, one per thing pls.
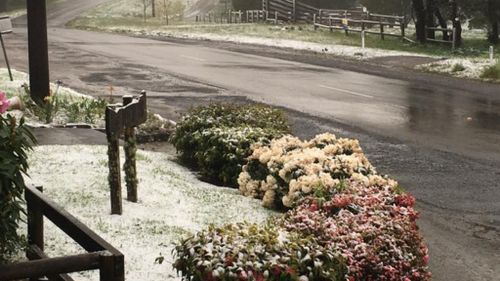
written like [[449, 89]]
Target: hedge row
[[344, 220], [216, 138]]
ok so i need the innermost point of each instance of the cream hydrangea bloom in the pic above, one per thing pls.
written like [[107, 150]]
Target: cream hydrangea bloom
[[296, 168]]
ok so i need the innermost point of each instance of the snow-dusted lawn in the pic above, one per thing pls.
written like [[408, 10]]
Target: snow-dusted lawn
[[459, 67], [173, 203]]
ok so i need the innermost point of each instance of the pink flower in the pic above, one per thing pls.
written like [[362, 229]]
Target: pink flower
[[4, 103]]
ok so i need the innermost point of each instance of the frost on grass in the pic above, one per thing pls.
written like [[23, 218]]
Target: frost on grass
[[173, 204], [459, 67]]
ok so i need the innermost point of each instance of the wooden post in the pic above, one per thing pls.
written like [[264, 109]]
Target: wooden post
[[129, 166], [38, 50], [6, 57], [403, 28], [114, 177], [35, 221], [110, 267], [381, 30]]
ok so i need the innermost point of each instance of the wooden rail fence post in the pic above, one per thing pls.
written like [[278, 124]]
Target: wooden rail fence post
[[403, 31], [114, 177], [381, 30], [35, 221], [110, 267], [129, 166]]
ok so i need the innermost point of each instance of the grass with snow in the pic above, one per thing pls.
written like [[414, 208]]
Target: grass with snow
[[173, 203]]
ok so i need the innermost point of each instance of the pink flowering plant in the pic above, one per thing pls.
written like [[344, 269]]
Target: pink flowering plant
[[4, 103], [245, 251], [372, 227], [15, 141], [353, 232]]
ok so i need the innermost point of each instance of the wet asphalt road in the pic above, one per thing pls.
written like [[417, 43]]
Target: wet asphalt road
[[440, 137]]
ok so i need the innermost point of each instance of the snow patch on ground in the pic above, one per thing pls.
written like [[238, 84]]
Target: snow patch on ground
[[333, 49], [173, 204], [459, 67]]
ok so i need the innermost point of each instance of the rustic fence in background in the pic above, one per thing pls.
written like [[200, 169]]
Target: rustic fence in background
[[360, 21], [101, 255]]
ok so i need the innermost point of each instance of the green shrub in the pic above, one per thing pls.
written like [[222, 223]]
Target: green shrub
[[224, 115], [217, 138], [491, 72], [15, 141], [457, 67], [221, 152], [251, 252]]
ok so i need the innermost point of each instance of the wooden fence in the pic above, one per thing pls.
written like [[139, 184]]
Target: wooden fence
[[448, 36], [289, 10], [360, 21], [101, 255]]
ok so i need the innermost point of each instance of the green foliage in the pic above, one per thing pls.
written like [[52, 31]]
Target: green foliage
[[492, 72], [251, 252], [85, 110], [217, 138], [221, 152], [15, 141], [224, 115], [71, 109], [458, 67], [247, 4]]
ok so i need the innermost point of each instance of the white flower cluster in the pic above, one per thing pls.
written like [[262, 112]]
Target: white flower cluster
[[288, 169]]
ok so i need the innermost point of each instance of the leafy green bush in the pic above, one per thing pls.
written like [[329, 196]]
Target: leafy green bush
[[15, 141], [224, 115], [491, 72], [221, 152], [217, 138], [252, 252], [62, 108], [457, 67]]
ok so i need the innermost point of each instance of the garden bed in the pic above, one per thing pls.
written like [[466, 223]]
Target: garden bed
[[66, 108], [172, 204]]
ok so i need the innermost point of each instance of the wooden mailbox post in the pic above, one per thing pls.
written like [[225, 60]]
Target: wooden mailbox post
[[122, 119]]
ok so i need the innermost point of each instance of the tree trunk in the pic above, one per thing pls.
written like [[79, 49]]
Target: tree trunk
[[457, 25], [442, 24], [493, 9], [418, 6], [3, 5], [429, 21], [153, 8]]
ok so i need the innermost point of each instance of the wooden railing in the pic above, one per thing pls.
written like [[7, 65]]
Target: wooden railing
[[100, 254], [358, 21], [449, 36]]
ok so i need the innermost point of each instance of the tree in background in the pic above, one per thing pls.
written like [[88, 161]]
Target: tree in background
[[389, 7], [247, 4], [420, 20]]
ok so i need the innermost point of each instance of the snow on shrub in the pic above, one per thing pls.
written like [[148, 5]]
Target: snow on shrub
[[372, 227], [221, 152], [352, 232], [245, 251], [287, 169], [217, 138], [16, 141], [224, 115]]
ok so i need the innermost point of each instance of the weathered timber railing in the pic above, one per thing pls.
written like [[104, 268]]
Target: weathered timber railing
[[101, 255], [356, 21]]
